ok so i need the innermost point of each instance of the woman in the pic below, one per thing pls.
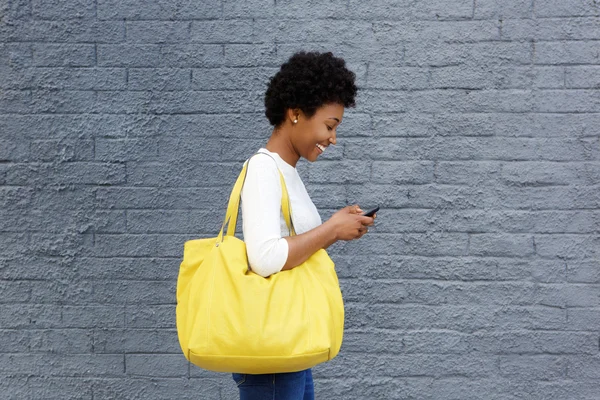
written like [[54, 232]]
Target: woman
[[305, 103]]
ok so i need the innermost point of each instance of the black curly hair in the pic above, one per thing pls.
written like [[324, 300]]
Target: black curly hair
[[309, 80]]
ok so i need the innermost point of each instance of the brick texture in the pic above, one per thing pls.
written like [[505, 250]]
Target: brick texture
[[123, 125]]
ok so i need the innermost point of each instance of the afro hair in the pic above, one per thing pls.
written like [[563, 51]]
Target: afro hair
[[309, 80]]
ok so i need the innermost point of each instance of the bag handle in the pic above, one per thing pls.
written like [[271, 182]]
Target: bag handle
[[234, 202]]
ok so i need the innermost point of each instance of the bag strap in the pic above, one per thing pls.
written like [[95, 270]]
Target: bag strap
[[234, 202]]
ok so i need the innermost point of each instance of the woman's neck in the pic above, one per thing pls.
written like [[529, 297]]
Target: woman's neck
[[279, 143]]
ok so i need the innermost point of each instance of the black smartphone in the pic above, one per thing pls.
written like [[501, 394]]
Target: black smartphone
[[370, 213]]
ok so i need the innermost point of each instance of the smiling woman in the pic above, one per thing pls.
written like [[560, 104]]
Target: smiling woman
[[305, 103]]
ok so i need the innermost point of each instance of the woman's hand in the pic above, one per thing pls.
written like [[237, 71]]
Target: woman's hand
[[349, 224], [345, 224]]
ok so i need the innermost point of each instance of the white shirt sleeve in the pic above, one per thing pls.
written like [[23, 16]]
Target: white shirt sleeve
[[261, 217]]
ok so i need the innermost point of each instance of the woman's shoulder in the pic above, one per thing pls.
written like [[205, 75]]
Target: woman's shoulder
[[262, 170], [262, 161], [262, 176]]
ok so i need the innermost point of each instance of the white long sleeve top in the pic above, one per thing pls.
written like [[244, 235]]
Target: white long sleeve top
[[264, 226]]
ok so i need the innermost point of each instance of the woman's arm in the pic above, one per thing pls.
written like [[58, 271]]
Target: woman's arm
[[345, 224], [301, 247], [267, 250]]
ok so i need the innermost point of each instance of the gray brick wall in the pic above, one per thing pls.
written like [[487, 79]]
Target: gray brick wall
[[123, 125]]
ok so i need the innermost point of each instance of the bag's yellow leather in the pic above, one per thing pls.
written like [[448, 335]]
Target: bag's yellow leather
[[230, 319]]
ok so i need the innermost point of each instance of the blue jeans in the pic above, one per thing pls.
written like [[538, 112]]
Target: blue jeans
[[281, 386]]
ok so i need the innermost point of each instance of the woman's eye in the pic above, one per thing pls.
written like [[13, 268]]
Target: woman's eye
[[329, 128]]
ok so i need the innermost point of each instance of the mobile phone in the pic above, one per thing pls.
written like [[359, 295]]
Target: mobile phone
[[370, 213]]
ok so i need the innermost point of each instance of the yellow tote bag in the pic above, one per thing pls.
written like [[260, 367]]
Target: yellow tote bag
[[230, 319]]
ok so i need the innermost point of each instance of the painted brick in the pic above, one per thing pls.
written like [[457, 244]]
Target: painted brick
[[124, 124]]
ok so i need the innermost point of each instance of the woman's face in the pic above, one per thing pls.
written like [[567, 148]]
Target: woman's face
[[320, 130]]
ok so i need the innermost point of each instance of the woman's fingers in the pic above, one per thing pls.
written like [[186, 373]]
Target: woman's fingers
[[365, 224], [369, 223]]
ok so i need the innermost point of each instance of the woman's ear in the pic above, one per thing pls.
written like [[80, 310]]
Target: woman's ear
[[292, 114]]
